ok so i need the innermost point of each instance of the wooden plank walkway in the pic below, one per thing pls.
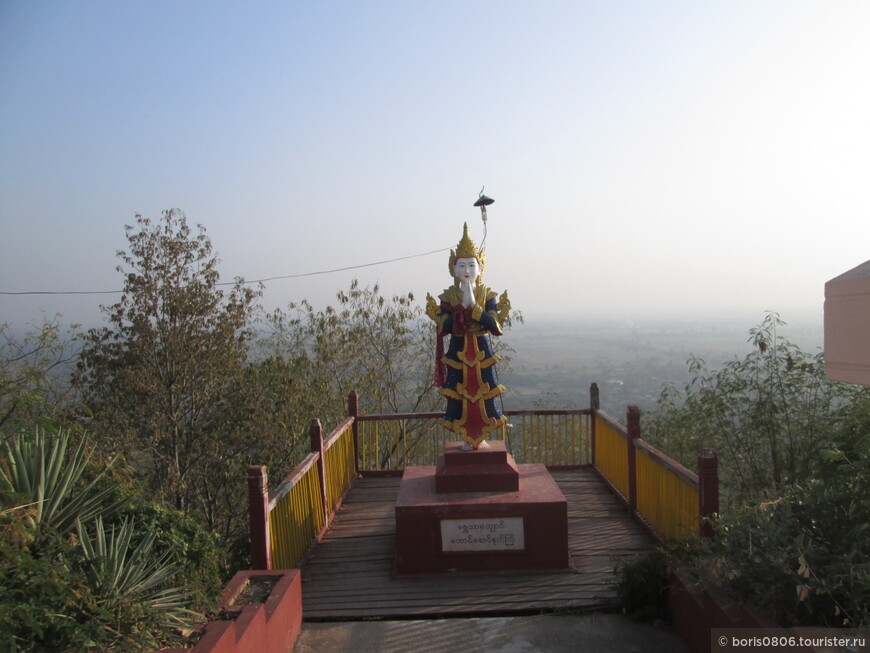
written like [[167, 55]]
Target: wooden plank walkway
[[350, 574]]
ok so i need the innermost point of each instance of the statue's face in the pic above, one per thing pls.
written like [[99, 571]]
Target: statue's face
[[466, 269]]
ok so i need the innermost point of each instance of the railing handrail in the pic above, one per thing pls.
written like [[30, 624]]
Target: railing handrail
[[337, 432], [292, 478], [550, 411], [613, 423], [667, 462], [707, 500], [382, 417], [654, 453]]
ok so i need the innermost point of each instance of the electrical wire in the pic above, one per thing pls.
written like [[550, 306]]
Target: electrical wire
[[231, 283]]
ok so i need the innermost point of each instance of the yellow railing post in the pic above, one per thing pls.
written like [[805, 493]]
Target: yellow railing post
[[353, 411]]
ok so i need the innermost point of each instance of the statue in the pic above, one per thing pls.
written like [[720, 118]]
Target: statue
[[469, 313]]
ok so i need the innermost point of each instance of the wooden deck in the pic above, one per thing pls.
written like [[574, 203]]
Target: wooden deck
[[350, 573]]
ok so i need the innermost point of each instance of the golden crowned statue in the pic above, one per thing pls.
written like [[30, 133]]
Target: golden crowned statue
[[469, 313]]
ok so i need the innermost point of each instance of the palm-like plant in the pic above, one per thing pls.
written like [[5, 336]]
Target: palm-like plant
[[44, 468], [129, 581]]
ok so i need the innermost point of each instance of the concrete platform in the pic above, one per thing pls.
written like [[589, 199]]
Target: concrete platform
[[590, 633]]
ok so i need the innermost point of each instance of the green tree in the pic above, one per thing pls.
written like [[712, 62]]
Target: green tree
[[379, 346], [769, 415], [159, 382], [794, 452], [34, 374]]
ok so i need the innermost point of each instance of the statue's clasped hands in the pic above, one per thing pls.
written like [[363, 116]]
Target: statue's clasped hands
[[468, 300]]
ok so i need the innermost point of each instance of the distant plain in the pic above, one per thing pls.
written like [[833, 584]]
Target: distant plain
[[555, 362]]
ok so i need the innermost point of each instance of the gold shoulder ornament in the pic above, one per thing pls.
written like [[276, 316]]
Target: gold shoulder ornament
[[504, 308], [431, 308]]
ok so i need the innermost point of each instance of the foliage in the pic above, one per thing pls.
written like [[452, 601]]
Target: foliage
[[41, 604], [178, 387], [162, 378], [189, 405], [769, 416], [34, 385], [794, 453], [378, 346], [804, 557], [103, 596], [46, 472], [195, 551], [642, 584], [382, 347], [129, 585], [73, 579]]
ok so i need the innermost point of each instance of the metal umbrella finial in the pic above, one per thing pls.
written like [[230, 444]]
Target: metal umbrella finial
[[483, 201]]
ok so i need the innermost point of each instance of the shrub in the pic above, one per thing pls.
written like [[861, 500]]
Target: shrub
[[193, 550], [804, 557], [642, 584], [42, 604]]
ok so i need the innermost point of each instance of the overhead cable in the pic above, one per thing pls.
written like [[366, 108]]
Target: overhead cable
[[231, 283]]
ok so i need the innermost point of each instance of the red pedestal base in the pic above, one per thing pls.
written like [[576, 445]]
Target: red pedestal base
[[520, 530], [476, 470]]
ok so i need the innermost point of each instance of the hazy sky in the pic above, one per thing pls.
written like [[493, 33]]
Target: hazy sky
[[649, 158]]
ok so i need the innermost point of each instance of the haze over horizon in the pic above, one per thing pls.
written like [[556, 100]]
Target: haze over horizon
[[651, 160]]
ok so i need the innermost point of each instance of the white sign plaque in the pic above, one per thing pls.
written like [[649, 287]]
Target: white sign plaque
[[482, 534]]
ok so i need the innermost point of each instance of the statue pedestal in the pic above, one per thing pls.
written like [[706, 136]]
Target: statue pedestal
[[510, 530], [480, 470]]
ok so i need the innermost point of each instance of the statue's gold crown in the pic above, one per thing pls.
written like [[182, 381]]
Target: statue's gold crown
[[466, 249]]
